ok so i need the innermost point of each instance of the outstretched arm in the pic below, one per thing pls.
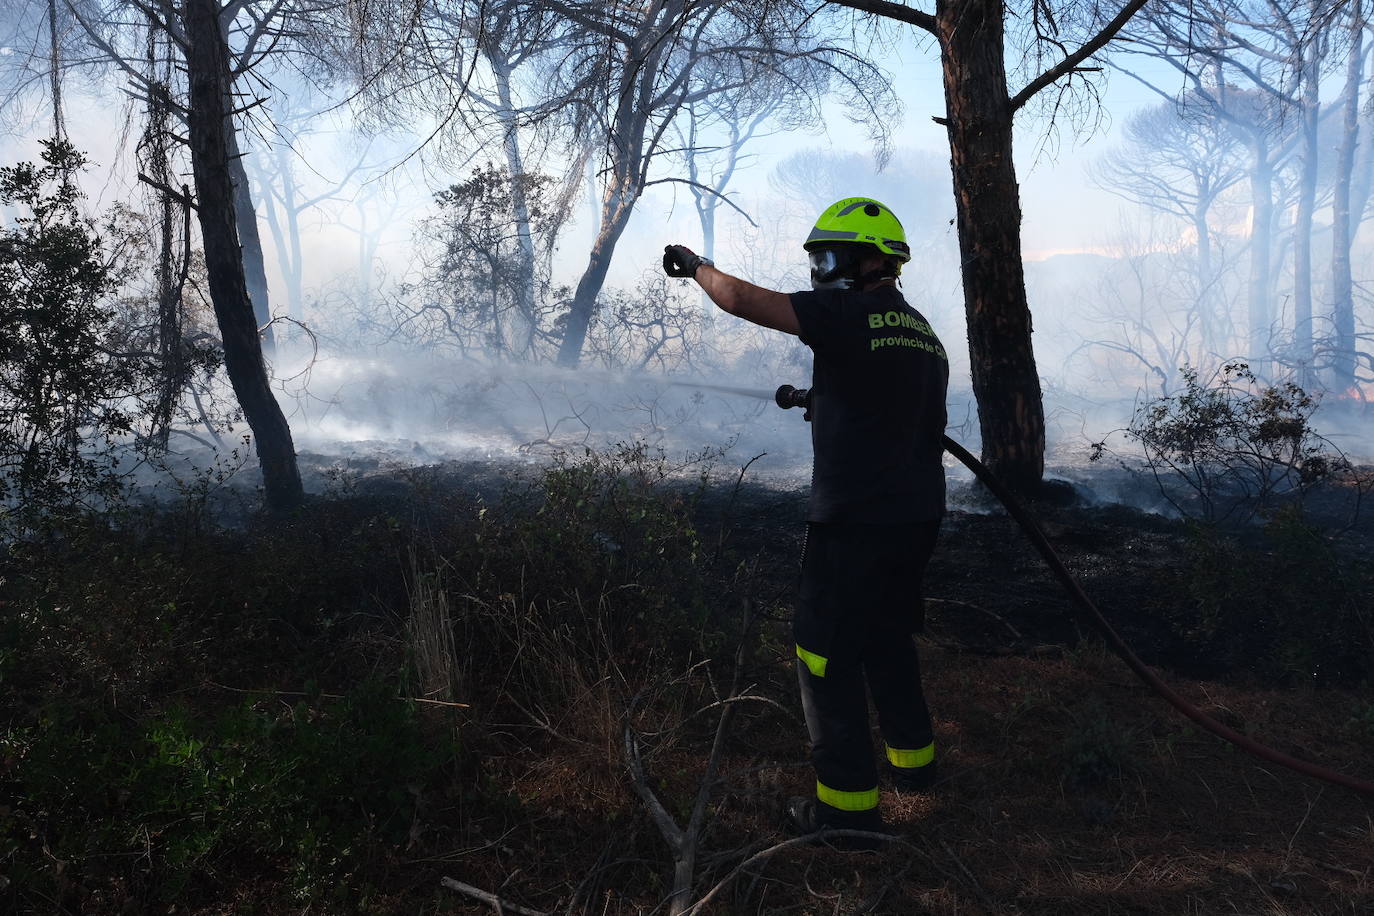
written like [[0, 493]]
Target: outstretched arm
[[744, 299], [738, 297]]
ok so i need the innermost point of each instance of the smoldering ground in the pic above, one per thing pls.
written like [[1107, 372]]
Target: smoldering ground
[[360, 420]]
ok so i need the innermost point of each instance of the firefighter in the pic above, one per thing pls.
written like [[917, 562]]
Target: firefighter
[[878, 493]]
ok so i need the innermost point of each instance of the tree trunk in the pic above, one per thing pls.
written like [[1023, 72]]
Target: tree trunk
[[706, 215], [208, 72], [1302, 224], [1261, 243], [246, 220], [295, 266], [367, 256], [625, 183], [616, 207], [1206, 295], [1362, 183], [1342, 228], [987, 201], [520, 209], [59, 127], [286, 239]]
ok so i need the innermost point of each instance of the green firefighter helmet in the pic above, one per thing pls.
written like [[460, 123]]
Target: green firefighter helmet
[[860, 220], [844, 233]]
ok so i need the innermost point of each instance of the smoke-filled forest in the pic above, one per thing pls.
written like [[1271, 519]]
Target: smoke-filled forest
[[392, 520]]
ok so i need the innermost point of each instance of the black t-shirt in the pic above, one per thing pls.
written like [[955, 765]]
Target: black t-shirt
[[877, 407]]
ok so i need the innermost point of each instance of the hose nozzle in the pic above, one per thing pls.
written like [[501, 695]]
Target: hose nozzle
[[786, 396]]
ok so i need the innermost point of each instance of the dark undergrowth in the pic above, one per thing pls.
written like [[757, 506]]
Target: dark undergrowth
[[331, 712]]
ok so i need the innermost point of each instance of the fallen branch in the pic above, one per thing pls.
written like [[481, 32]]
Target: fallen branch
[[788, 844], [501, 906], [684, 840], [672, 833]]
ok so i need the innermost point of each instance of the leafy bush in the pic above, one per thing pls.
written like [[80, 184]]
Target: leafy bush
[[1289, 607], [202, 797], [130, 779], [597, 562], [60, 387], [1236, 447], [76, 375], [1097, 749]]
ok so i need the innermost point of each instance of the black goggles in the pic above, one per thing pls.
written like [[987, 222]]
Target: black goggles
[[829, 264]]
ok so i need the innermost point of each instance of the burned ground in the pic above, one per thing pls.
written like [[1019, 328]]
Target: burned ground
[[213, 719]]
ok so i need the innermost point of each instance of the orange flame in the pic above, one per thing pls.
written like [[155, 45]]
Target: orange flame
[[1355, 393]]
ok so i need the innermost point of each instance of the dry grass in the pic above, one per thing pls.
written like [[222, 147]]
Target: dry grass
[[1183, 825], [429, 637], [1066, 787]]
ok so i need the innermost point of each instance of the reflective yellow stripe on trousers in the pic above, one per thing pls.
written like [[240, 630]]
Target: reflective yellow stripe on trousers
[[910, 760], [814, 663], [866, 800]]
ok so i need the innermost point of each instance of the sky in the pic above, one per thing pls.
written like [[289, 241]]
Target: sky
[[1062, 211], [1066, 219]]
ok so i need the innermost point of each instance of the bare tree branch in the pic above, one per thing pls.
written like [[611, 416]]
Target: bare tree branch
[[1068, 64], [708, 190], [897, 11]]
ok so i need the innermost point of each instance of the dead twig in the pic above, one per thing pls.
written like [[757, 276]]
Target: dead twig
[[973, 884], [748, 697], [874, 900], [978, 607], [545, 723], [1306, 814], [272, 691], [1342, 869], [459, 853]]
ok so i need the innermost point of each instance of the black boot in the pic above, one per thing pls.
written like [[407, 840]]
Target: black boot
[[807, 815], [913, 779]]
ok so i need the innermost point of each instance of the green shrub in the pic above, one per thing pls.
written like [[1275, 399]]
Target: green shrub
[[126, 785], [1361, 721], [1232, 447], [1289, 605], [602, 550], [61, 409], [306, 791], [77, 385], [1097, 749]]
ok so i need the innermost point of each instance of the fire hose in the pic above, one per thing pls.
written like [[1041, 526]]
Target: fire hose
[[788, 396]]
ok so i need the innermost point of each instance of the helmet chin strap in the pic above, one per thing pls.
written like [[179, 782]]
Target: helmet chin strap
[[874, 276], [859, 282]]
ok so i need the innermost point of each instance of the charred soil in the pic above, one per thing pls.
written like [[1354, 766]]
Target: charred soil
[[439, 673]]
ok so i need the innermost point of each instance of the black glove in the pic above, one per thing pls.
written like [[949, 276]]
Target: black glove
[[681, 261]]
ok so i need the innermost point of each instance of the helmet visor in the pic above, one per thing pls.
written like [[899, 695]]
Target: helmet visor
[[829, 265]]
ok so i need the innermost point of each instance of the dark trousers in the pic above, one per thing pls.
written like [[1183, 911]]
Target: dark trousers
[[860, 604]]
